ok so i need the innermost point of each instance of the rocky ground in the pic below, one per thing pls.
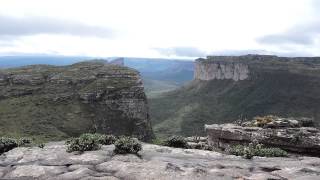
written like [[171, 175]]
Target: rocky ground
[[155, 162]]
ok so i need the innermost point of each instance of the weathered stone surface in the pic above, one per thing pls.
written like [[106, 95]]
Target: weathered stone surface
[[302, 140], [221, 70], [56, 102], [248, 66], [154, 162]]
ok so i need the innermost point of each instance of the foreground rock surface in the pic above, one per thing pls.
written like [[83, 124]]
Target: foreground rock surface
[[54, 102], [300, 140], [155, 162]]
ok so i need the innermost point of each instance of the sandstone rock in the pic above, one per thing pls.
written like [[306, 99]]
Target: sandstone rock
[[301, 140], [221, 70], [154, 162], [61, 101]]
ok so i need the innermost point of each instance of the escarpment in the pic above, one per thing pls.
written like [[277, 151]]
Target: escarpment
[[239, 68], [53, 102], [226, 87], [221, 69]]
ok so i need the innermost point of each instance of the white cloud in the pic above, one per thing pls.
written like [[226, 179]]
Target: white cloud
[[143, 25]]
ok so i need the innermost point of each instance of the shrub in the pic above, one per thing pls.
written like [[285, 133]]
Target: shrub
[[106, 139], [6, 144], [24, 141], [86, 142], [256, 150], [176, 141], [126, 145]]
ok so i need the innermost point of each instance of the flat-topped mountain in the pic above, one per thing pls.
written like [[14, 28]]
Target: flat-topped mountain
[[54, 102], [226, 87]]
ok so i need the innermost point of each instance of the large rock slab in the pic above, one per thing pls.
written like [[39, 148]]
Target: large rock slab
[[54, 102], [154, 162], [301, 140]]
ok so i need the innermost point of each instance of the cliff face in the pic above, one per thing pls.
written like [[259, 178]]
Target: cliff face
[[209, 70], [226, 87], [241, 67], [56, 102]]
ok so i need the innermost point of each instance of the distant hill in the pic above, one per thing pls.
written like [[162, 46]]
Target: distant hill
[[159, 75], [162, 75], [227, 87], [17, 61]]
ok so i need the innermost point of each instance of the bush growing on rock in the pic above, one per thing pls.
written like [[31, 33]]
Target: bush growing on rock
[[106, 139], [86, 142], [256, 150], [24, 141], [125, 145], [6, 144], [176, 141]]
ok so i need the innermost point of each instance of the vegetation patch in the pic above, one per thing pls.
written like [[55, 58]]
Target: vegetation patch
[[125, 145], [86, 142], [176, 141], [6, 144], [256, 150]]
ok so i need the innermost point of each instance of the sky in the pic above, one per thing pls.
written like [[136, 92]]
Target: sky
[[160, 28]]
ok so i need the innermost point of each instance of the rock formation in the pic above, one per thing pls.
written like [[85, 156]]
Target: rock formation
[[55, 102], [226, 87], [117, 61], [241, 67], [155, 162], [286, 133], [221, 68]]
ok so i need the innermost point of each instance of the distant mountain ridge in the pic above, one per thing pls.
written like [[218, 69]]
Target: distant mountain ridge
[[159, 75]]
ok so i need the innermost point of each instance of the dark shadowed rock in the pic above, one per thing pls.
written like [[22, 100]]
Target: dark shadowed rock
[[54, 102]]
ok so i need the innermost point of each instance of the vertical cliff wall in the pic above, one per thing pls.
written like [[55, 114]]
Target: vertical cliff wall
[[220, 69], [56, 102]]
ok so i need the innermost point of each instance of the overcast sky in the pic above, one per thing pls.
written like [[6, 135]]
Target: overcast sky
[[160, 28]]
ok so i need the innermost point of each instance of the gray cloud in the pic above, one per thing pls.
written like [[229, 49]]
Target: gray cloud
[[181, 51], [15, 27], [303, 34]]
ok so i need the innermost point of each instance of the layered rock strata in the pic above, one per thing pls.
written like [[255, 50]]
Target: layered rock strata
[[295, 139], [55, 102]]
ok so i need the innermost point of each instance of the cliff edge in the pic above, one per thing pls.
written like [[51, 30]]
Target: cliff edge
[[54, 102]]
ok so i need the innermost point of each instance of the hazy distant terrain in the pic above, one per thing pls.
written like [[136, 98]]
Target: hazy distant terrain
[[159, 75]]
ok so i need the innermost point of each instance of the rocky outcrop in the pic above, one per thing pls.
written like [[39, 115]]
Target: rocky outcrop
[[117, 61], [221, 69], [222, 91], [242, 67], [154, 162], [288, 134], [56, 102]]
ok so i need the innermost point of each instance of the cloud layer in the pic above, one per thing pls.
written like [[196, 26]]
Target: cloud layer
[[302, 34], [181, 51], [15, 27]]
